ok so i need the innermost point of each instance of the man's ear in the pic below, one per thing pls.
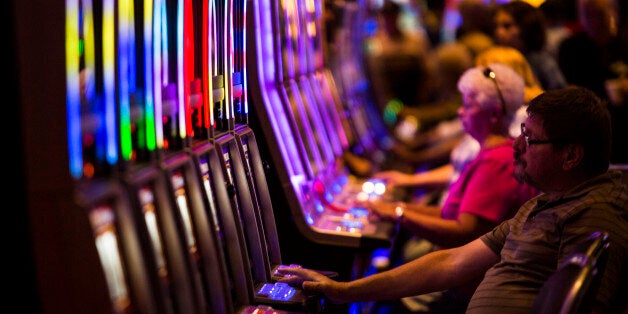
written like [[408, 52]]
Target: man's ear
[[573, 155]]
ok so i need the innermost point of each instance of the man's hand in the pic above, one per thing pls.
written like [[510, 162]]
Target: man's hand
[[314, 282]]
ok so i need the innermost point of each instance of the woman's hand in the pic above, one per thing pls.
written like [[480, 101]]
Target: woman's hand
[[383, 210], [393, 178]]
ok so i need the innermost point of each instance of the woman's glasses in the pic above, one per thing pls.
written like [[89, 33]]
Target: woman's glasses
[[490, 74]]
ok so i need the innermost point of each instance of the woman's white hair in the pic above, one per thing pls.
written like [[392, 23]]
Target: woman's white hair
[[476, 84]]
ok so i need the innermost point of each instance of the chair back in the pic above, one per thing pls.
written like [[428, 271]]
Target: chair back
[[573, 287]]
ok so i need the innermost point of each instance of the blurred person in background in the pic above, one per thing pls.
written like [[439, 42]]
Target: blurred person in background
[[520, 25], [397, 61], [597, 58], [562, 22]]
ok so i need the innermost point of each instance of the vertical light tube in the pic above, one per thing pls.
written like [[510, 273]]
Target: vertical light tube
[[73, 91], [245, 104], [149, 93], [181, 86], [188, 65], [109, 78], [228, 53], [160, 65], [125, 68]]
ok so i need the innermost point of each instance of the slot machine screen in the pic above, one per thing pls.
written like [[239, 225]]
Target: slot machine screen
[[103, 223]]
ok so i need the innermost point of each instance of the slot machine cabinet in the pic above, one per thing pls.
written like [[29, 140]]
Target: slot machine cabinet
[[245, 139], [249, 293], [242, 202], [200, 239], [258, 186], [256, 177], [184, 124], [229, 230], [116, 239], [230, 237], [150, 193], [247, 222], [371, 133]]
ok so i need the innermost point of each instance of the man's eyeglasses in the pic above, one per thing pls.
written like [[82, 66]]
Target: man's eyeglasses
[[530, 142], [488, 73]]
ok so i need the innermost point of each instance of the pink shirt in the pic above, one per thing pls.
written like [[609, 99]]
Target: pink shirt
[[487, 187]]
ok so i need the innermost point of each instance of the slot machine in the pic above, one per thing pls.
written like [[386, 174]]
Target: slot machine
[[370, 134], [185, 169], [93, 97], [225, 142], [290, 107], [248, 291], [182, 122], [116, 239], [240, 158]]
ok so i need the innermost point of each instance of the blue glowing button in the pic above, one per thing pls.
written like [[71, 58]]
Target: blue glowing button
[[352, 224], [277, 291], [359, 212]]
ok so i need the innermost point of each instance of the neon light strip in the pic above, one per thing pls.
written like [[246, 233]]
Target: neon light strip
[[231, 56], [188, 65], [245, 104], [89, 56], [125, 41], [213, 58], [149, 106], [180, 69], [228, 53], [88, 46], [109, 72], [206, 55], [73, 96], [160, 65]]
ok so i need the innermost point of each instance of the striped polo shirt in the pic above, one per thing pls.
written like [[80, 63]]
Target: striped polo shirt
[[533, 244]]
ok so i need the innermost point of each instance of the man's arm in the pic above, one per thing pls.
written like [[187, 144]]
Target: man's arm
[[436, 271]]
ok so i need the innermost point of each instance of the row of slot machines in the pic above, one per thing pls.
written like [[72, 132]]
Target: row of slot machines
[[158, 200], [166, 167]]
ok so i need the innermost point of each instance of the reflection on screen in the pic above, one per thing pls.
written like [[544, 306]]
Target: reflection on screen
[[204, 165], [178, 185], [245, 149], [102, 219], [205, 172], [147, 202], [227, 158]]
